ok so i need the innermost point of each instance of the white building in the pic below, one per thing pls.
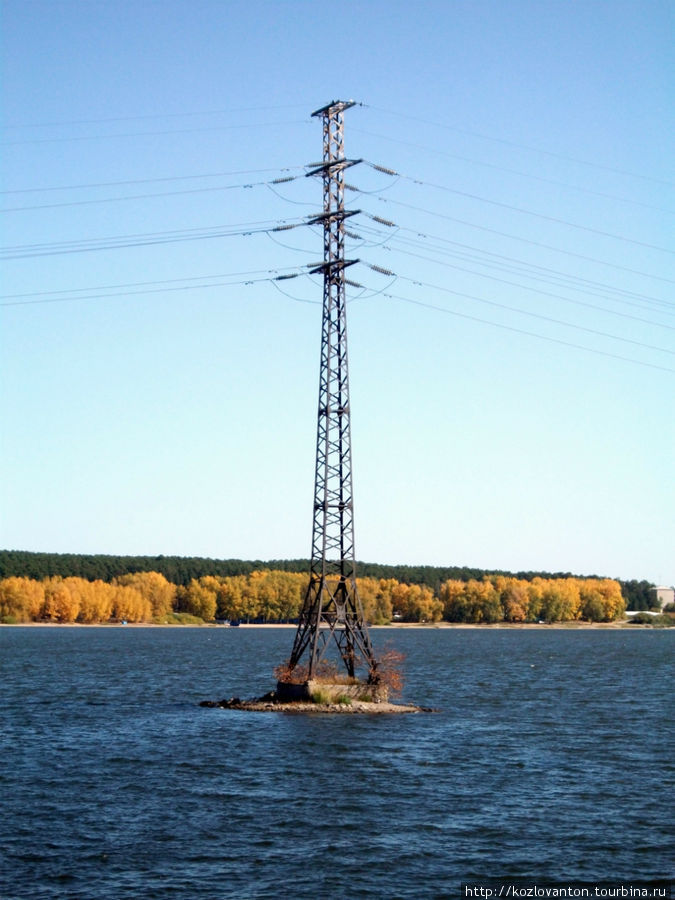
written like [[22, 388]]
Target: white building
[[664, 595]]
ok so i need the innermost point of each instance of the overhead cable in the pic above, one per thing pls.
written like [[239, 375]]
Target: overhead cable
[[134, 284], [133, 134], [542, 337], [529, 147], [525, 312], [202, 190], [98, 184], [515, 237], [577, 282], [175, 115], [529, 212], [23, 251], [543, 293]]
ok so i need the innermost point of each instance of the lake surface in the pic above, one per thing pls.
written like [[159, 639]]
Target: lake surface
[[551, 758]]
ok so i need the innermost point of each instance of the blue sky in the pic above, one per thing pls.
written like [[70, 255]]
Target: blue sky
[[511, 387]]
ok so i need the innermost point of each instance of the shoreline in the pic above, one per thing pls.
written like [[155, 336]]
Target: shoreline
[[523, 626]]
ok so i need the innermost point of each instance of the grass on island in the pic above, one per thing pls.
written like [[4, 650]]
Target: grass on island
[[176, 618]]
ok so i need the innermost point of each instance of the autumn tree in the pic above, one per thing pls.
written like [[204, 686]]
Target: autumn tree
[[513, 598], [415, 603], [601, 599], [535, 601], [229, 602], [94, 598], [559, 600], [474, 601], [376, 600], [200, 597], [129, 605], [62, 603], [287, 590], [263, 597], [452, 598], [21, 599], [154, 588]]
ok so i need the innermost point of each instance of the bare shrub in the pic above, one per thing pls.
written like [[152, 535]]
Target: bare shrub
[[389, 670], [325, 671]]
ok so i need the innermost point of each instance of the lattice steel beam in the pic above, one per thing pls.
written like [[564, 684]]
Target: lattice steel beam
[[332, 608]]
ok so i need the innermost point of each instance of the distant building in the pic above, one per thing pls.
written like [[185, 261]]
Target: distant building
[[664, 596]]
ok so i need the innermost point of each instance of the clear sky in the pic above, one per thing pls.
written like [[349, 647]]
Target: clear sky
[[512, 386]]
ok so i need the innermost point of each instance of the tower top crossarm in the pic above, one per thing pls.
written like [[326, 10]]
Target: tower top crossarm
[[335, 106]]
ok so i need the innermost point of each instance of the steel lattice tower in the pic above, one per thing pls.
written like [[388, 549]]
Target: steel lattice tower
[[332, 607]]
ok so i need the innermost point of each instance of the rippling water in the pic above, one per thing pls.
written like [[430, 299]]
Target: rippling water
[[551, 757]]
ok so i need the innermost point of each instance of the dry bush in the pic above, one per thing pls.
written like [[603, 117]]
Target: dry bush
[[327, 671], [389, 670]]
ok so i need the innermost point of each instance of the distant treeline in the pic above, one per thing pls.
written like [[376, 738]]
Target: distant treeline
[[181, 570], [276, 596]]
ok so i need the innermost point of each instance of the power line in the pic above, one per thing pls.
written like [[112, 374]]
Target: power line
[[530, 175], [558, 275], [535, 315], [520, 267], [164, 290], [24, 251], [274, 281], [131, 134], [270, 186], [270, 278], [142, 284], [515, 237], [529, 212], [292, 296], [206, 112], [541, 292], [98, 184], [203, 190], [452, 312], [529, 147], [279, 243]]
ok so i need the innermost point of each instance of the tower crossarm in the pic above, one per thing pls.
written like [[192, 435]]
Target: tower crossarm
[[337, 165], [333, 216], [334, 107], [332, 265]]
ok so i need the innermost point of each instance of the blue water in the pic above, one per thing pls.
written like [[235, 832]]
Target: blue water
[[551, 757]]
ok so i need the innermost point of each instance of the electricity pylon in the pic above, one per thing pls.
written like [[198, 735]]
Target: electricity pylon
[[332, 608]]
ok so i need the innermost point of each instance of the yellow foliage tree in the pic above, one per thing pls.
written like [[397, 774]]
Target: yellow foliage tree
[[513, 598], [200, 598], [94, 599], [230, 597], [415, 603], [21, 599], [129, 605], [154, 587], [452, 598], [375, 599], [62, 603], [559, 599], [601, 599], [535, 601], [262, 596], [288, 590]]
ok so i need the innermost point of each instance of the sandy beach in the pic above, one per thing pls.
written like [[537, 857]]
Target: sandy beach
[[531, 626]]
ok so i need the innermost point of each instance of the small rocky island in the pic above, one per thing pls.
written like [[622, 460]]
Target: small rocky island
[[318, 696]]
